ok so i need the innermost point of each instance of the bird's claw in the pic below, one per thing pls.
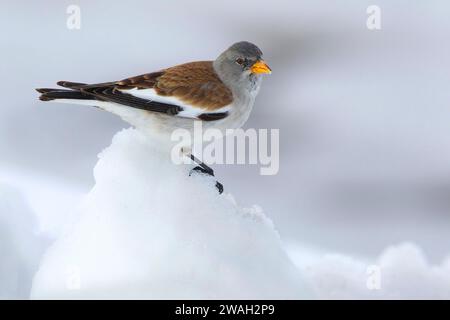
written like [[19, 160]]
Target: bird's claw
[[209, 172], [219, 187]]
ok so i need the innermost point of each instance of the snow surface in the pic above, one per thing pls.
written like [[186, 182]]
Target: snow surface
[[400, 272], [149, 231], [20, 245]]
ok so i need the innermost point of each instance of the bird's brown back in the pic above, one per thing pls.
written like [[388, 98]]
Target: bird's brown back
[[194, 83]]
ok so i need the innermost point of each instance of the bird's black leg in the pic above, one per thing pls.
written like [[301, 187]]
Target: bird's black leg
[[203, 168]]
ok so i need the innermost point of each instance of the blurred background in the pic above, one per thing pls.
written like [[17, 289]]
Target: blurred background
[[363, 114]]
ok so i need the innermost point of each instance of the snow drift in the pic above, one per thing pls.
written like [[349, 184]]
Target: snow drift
[[148, 230], [400, 272], [20, 245]]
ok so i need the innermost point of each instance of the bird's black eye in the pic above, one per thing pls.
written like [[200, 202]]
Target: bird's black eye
[[240, 61]]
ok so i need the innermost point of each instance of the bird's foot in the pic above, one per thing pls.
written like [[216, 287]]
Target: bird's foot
[[219, 187], [204, 170], [207, 170]]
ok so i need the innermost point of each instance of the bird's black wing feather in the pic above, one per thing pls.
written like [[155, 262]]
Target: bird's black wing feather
[[109, 92]]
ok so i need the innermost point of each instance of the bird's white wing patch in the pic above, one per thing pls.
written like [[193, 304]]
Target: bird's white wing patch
[[189, 111]]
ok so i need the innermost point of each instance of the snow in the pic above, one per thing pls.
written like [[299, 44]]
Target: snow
[[149, 231], [49, 200], [400, 272], [20, 245]]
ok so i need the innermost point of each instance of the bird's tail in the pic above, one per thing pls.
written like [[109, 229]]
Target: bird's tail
[[53, 94], [73, 92]]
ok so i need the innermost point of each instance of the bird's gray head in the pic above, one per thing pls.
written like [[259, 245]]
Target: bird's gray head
[[241, 65]]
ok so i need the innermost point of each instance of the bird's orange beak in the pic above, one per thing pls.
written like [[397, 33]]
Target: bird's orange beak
[[260, 67]]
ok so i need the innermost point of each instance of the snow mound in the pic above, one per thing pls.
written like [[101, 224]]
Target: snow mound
[[149, 231], [400, 272], [20, 245]]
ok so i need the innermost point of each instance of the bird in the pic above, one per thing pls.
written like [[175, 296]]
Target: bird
[[219, 93]]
